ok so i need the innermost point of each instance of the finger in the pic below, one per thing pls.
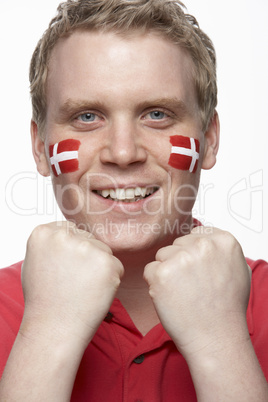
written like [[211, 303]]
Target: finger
[[167, 252], [150, 270], [119, 265], [205, 230], [71, 228], [58, 225], [197, 232], [100, 245]]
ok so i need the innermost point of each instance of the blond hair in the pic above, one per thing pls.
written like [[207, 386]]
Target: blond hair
[[125, 16]]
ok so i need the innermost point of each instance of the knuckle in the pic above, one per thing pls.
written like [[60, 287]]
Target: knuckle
[[112, 269], [152, 292], [100, 245], [147, 273], [104, 258], [221, 242], [120, 268], [83, 247], [177, 241], [105, 263], [152, 272], [38, 234], [228, 241], [60, 236], [116, 281], [160, 255], [164, 273], [204, 245], [185, 258]]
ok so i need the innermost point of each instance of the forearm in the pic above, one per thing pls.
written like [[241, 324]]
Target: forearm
[[230, 373], [40, 370]]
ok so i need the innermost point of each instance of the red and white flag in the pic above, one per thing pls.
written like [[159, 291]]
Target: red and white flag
[[64, 156], [184, 153]]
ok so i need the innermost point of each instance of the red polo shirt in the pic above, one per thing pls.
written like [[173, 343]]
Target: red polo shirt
[[122, 365]]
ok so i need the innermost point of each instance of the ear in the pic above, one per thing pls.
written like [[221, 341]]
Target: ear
[[38, 149], [212, 140]]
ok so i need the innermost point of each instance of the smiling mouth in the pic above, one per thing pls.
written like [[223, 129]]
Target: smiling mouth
[[128, 194]]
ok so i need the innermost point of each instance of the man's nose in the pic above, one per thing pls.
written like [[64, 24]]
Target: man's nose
[[124, 145]]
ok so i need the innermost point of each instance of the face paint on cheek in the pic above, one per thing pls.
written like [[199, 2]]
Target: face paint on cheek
[[184, 153], [64, 156]]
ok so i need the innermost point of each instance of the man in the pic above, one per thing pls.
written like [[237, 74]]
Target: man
[[130, 299]]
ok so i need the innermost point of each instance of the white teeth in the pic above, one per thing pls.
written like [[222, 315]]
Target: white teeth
[[143, 192], [120, 193], [105, 193], [137, 191], [112, 193], [129, 194]]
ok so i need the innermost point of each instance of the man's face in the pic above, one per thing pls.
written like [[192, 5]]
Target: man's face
[[123, 99]]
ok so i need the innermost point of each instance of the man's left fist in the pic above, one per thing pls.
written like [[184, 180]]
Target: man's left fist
[[200, 287]]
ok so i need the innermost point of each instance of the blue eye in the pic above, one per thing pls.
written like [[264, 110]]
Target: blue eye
[[157, 115], [87, 117]]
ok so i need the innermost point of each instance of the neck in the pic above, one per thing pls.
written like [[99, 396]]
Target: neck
[[133, 291]]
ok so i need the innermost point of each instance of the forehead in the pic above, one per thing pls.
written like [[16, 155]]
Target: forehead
[[97, 64]]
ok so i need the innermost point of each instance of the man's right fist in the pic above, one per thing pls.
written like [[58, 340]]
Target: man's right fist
[[69, 281]]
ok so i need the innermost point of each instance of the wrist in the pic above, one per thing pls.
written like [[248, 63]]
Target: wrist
[[215, 341], [228, 368], [57, 330], [53, 336]]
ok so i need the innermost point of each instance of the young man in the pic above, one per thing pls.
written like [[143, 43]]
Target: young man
[[129, 299]]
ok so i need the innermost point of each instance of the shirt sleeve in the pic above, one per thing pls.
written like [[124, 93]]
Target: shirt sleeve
[[257, 314], [11, 310]]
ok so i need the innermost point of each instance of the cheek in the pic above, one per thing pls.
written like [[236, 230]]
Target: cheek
[[184, 191], [70, 197], [63, 157], [64, 161], [184, 153]]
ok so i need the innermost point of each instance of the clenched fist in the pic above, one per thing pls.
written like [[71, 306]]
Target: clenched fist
[[200, 288], [69, 281]]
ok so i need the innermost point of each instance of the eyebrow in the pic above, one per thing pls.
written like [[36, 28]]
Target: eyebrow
[[170, 103], [71, 107]]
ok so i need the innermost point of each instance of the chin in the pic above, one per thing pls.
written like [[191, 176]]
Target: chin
[[127, 244]]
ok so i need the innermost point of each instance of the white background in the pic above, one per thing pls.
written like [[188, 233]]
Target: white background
[[233, 195]]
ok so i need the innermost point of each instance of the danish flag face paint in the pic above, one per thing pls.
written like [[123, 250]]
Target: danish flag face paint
[[64, 156], [184, 153]]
